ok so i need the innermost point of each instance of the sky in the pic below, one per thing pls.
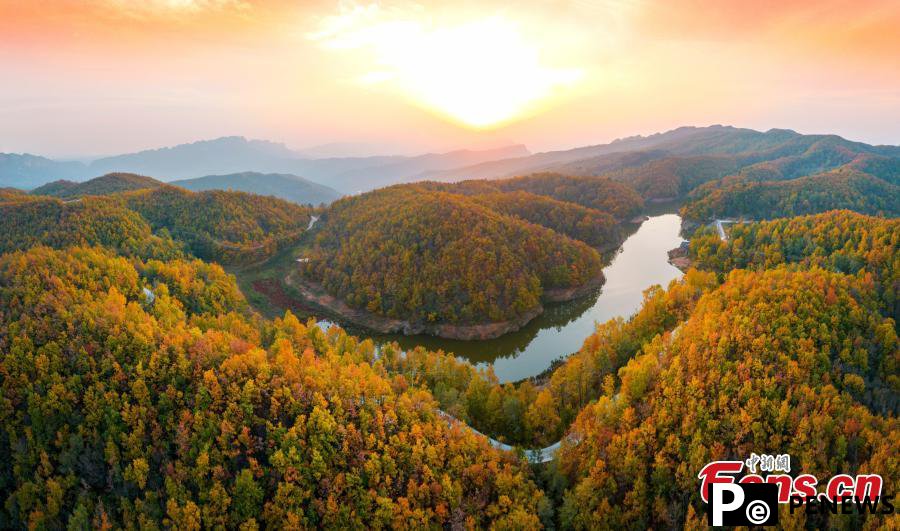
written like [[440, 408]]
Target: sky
[[94, 77]]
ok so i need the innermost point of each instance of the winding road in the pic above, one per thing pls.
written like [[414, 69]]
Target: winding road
[[534, 455], [721, 229]]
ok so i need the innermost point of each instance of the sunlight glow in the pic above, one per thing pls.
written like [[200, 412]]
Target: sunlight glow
[[481, 73]]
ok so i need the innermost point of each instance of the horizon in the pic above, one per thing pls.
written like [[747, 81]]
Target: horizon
[[299, 150], [409, 78]]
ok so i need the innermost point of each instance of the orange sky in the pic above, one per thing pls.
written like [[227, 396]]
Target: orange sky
[[85, 77]]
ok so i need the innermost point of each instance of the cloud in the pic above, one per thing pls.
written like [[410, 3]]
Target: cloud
[[167, 8]]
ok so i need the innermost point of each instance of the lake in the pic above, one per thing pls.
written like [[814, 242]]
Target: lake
[[641, 262]]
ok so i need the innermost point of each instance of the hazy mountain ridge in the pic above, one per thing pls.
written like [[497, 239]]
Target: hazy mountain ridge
[[229, 155], [779, 149], [285, 186], [679, 159], [28, 171], [686, 140], [205, 157]]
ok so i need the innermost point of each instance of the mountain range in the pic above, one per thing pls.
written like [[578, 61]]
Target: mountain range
[[660, 166], [671, 164], [228, 155]]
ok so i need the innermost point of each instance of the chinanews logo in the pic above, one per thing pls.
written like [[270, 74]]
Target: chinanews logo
[[753, 499]]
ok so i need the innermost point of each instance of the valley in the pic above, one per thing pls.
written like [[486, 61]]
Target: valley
[[577, 265], [528, 351], [526, 336]]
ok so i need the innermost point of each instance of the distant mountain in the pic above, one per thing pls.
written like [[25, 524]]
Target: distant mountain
[[659, 166], [671, 164], [681, 141], [384, 171], [230, 155], [219, 156], [286, 186], [234, 154], [28, 171], [110, 183]]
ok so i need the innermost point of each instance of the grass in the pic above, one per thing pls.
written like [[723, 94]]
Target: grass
[[263, 283]]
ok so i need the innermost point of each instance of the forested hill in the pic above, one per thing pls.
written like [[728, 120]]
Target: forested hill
[[587, 209], [121, 411], [228, 227], [600, 194], [224, 226], [844, 188], [840, 241], [107, 184], [434, 257], [286, 186], [755, 368], [99, 221]]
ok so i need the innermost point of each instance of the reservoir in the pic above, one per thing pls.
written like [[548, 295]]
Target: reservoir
[[641, 262]]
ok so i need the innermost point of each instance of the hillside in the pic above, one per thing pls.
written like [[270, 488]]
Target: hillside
[[663, 178], [160, 221], [597, 228], [656, 165], [684, 141], [593, 193], [843, 188], [90, 221], [110, 183], [753, 369], [432, 258], [227, 227], [670, 165], [131, 413], [621, 201], [840, 241], [204, 402], [236, 154], [593, 227], [285, 186]]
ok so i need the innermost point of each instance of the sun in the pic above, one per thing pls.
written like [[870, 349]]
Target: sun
[[481, 73]]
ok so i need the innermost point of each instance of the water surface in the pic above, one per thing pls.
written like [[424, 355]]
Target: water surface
[[562, 328]]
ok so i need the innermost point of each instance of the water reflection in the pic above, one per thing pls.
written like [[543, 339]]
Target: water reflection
[[562, 328]]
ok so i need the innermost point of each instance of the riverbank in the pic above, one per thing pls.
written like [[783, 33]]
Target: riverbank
[[314, 294], [559, 330], [680, 256]]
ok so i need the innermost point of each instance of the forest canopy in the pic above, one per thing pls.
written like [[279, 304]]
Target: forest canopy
[[228, 227], [427, 256], [138, 389], [119, 411], [221, 225], [754, 368], [844, 188], [27, 221]]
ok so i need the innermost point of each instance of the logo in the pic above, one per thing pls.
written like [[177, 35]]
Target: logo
[[753, 499], [735, 504]]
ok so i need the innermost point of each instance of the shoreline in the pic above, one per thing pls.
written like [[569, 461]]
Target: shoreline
[[680, 257], [313, 294]]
